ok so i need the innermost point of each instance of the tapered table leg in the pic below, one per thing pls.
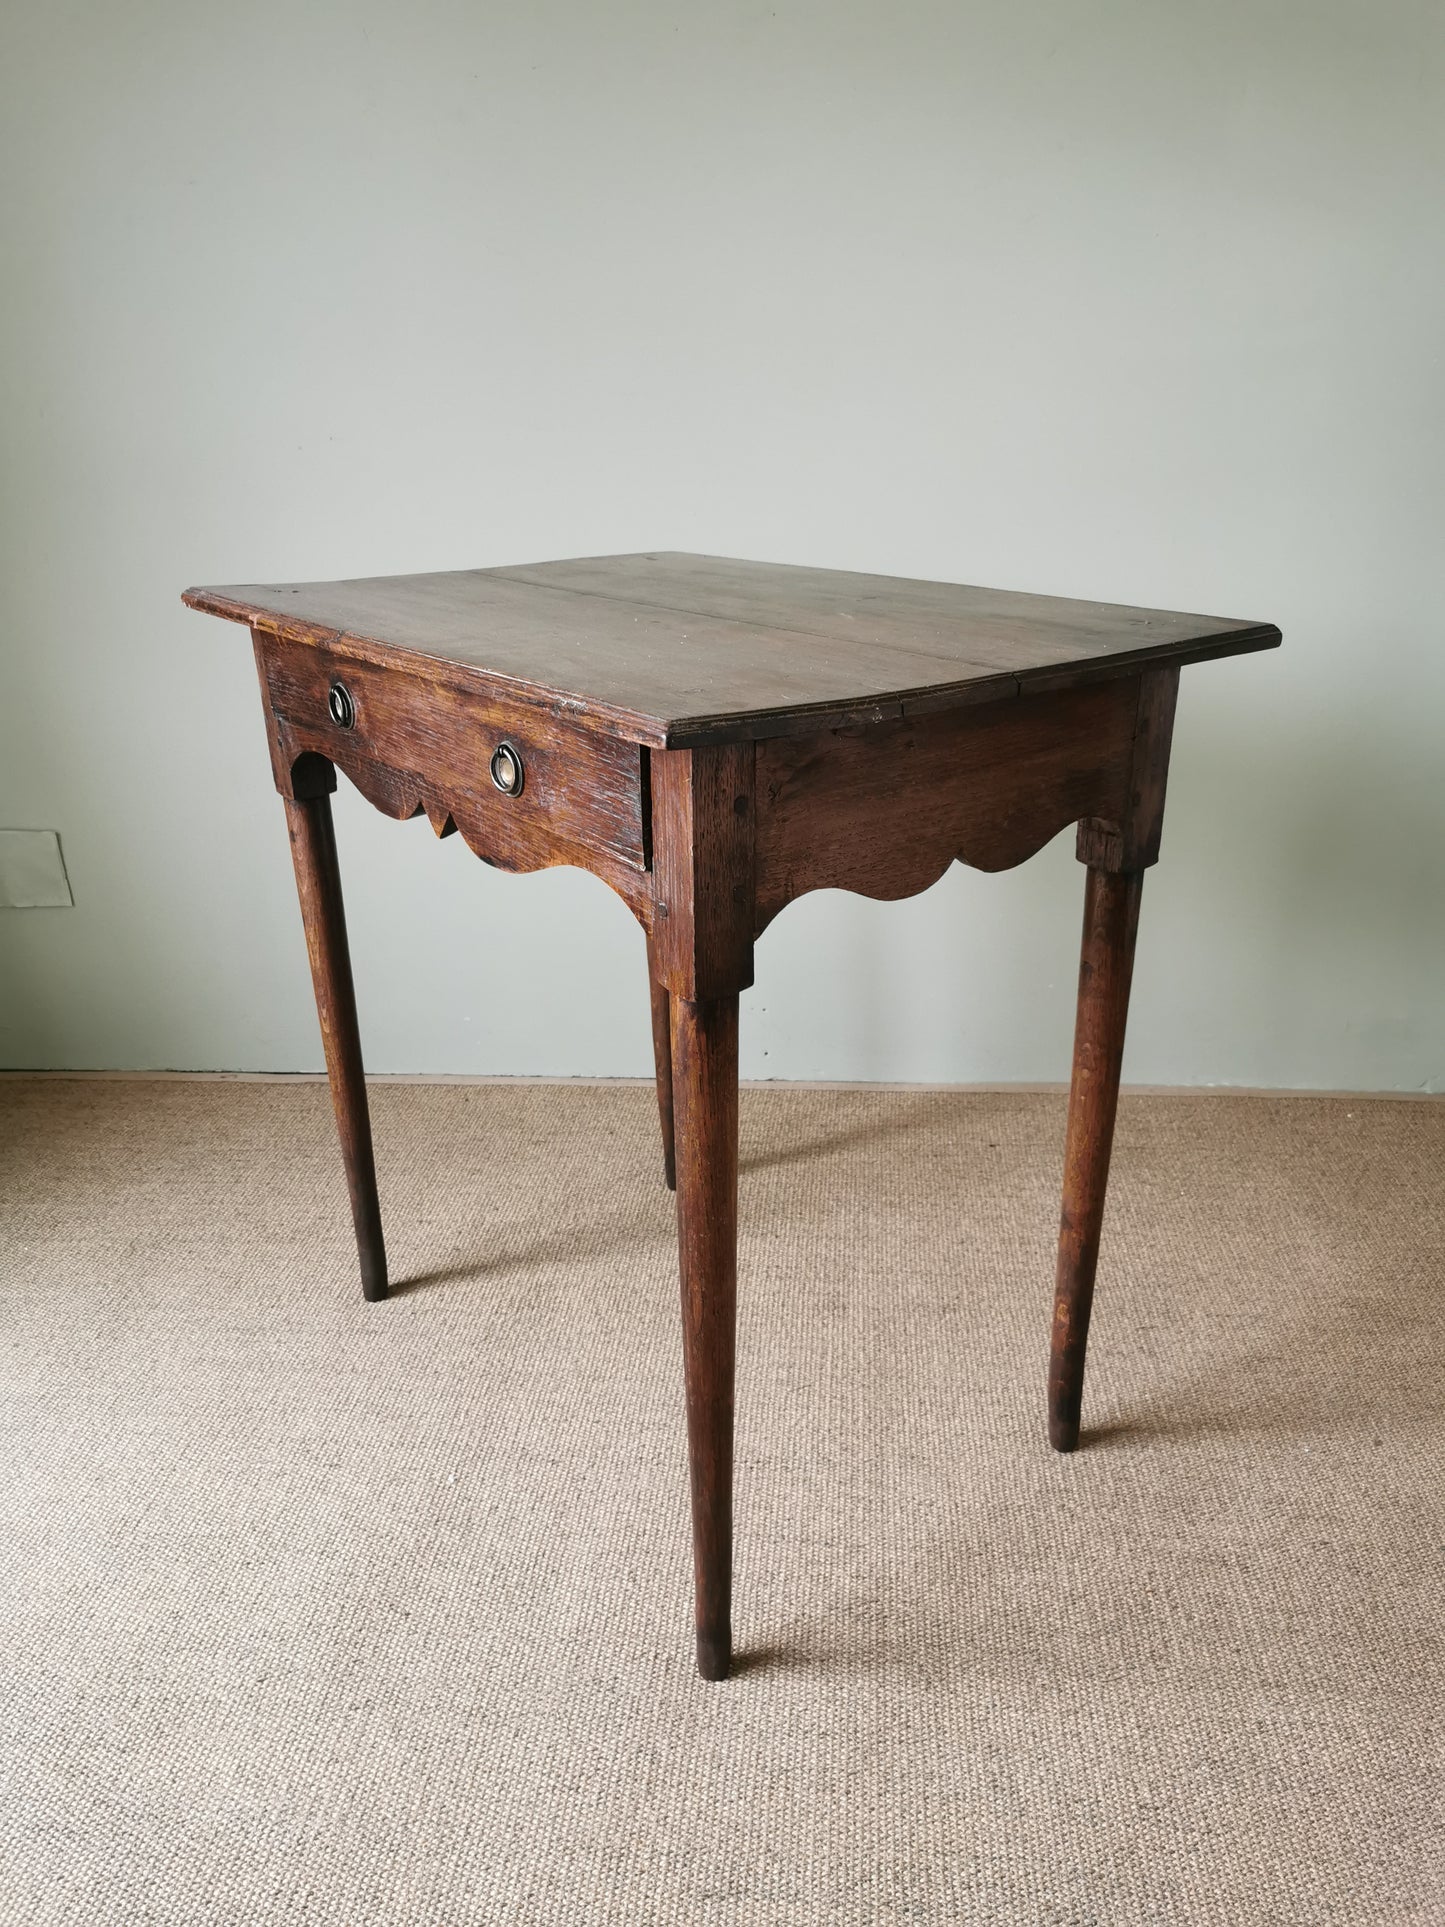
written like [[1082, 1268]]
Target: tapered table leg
[[318, 883], [662, 1058], [1111, 919], [705, 1071]]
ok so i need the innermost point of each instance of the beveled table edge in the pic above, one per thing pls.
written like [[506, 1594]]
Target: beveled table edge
[[704, 729]]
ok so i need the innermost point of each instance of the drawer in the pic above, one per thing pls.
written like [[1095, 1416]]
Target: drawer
[[525, 788]]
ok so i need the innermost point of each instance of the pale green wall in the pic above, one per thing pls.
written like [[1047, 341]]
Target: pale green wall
[[1135, 301]]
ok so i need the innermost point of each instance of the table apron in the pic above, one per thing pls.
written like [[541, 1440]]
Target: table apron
[[884, 810]]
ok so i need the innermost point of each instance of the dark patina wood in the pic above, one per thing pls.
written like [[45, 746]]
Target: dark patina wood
[[885, 810], [662, 1063], [715, 738], [681, 650], [415, 746], [702, 951], [1106, 964], [705, 1070], [1118, 846], [318, 884]]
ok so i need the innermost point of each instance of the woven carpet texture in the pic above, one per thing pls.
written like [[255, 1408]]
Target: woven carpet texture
[[325, 1612]]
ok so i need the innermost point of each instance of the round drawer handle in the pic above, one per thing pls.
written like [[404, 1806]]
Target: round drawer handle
[[342, 708], [507, 772]]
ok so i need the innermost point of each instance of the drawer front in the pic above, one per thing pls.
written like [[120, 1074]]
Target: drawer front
[[525, 788]]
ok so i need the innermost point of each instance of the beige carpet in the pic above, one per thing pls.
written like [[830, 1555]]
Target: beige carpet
[[323, 1612]]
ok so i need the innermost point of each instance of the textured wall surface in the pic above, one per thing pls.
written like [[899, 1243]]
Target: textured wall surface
[[1110, 300]]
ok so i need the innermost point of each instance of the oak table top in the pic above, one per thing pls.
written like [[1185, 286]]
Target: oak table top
[[714, 739], [674, 651]]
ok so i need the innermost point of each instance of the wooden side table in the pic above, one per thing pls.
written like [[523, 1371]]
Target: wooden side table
[[713, 738]]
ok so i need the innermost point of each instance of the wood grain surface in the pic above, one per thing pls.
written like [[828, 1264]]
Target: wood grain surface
[[705, 1085], [1106, 966], [884, 811], [703, 870], [714, 738], [421, 744], [679, 650], [318, 886]]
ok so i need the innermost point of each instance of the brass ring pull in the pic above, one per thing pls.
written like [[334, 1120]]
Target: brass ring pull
[[507, 772]]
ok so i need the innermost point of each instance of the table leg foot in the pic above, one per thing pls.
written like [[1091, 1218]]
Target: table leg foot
[[1111, 919], [714, 1655], [705, 1067], [318, 884]]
